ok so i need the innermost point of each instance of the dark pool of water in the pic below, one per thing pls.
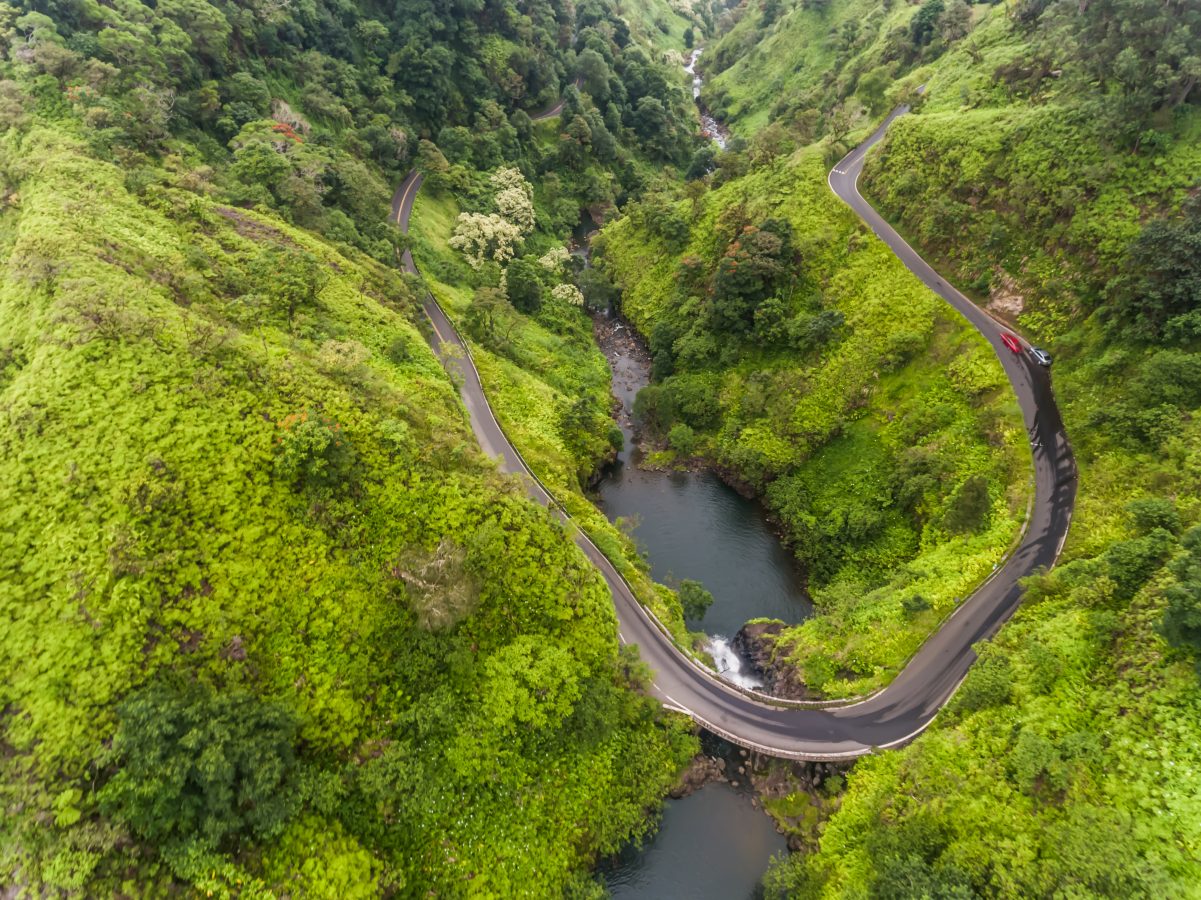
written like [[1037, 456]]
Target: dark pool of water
[[712, 845], [693, 525]]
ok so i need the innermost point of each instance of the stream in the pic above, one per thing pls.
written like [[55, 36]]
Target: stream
[[714, 843], [710, 127], [693, 525]]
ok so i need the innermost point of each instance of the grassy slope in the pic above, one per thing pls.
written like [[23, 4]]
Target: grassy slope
[[834, 425], [794, 57], [661, 23], [1009, 193], [145, 532]]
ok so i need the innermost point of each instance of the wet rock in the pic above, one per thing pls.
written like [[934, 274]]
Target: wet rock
[[756, 642], [701, 771], [782, 780]]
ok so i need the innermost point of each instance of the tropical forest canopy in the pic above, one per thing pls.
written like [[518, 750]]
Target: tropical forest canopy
[[271, 622]]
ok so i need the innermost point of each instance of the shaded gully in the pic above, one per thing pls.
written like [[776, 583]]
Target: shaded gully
[[714, 839]]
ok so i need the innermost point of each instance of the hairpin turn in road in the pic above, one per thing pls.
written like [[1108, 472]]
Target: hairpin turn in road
[[902, 710]]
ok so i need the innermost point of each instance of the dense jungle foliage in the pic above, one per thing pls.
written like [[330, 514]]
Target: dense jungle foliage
[[493, 249], [1051, 167], [271, 623]]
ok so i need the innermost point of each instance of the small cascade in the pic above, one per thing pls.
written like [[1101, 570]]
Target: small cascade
[[730, 665], [691, 70], [710, 127]]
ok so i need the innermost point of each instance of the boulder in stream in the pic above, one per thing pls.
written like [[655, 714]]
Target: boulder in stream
[[701, 771]]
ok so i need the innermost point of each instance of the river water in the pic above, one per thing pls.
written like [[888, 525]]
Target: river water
[[711, 845], [710, 127], [693, 525], [714, 844]]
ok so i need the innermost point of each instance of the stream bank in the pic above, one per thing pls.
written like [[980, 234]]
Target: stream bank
[[730, 813], [692, 525]]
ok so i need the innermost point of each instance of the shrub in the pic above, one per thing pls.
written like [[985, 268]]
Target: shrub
[[1182, 619], [989, 683], [970, 506], [1150, 513], [523, 285], [694, 599], [312, 451], [682, 438], [653, 408], [197, 767], [617, 440]]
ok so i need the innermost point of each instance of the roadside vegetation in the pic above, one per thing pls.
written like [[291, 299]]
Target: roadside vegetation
[[1049, 168], [271, 624], [798, 355], [491, 244], [819, 68]]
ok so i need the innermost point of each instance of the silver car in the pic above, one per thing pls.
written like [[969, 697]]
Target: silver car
[[1041, 356]]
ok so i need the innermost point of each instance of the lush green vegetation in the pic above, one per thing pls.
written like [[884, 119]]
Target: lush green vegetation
[[804, 359], [1048, 168], [824, 67], [1023, 187], [1068, 760], [275, 543], [546, 380], [271, 623], [491, 246]]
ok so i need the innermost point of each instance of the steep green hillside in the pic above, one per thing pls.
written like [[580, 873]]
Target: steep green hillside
[[240, 491], [1049, 168], [1020, 183], [1067, 762], [546, 380], [270, 623], [665, 24], [819, 371], [820, 67]]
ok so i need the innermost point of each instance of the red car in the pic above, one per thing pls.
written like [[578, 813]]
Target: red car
[[1011, 342]]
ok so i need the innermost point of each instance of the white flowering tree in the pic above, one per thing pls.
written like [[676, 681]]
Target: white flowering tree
[[482, 238], [554, 259], [514, 198], [497, 236], [567, 293]]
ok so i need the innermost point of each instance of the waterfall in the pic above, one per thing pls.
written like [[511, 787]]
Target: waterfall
[[730, 665], [710, 127]]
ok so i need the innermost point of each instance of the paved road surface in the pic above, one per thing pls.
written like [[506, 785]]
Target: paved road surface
[[897, 714], [555, 108]]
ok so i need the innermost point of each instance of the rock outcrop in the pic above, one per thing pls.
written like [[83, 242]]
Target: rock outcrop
[[701, 771], [756, 642]]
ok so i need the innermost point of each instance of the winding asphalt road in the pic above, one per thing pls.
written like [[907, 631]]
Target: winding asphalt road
[[898, 713], [555, 108]]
